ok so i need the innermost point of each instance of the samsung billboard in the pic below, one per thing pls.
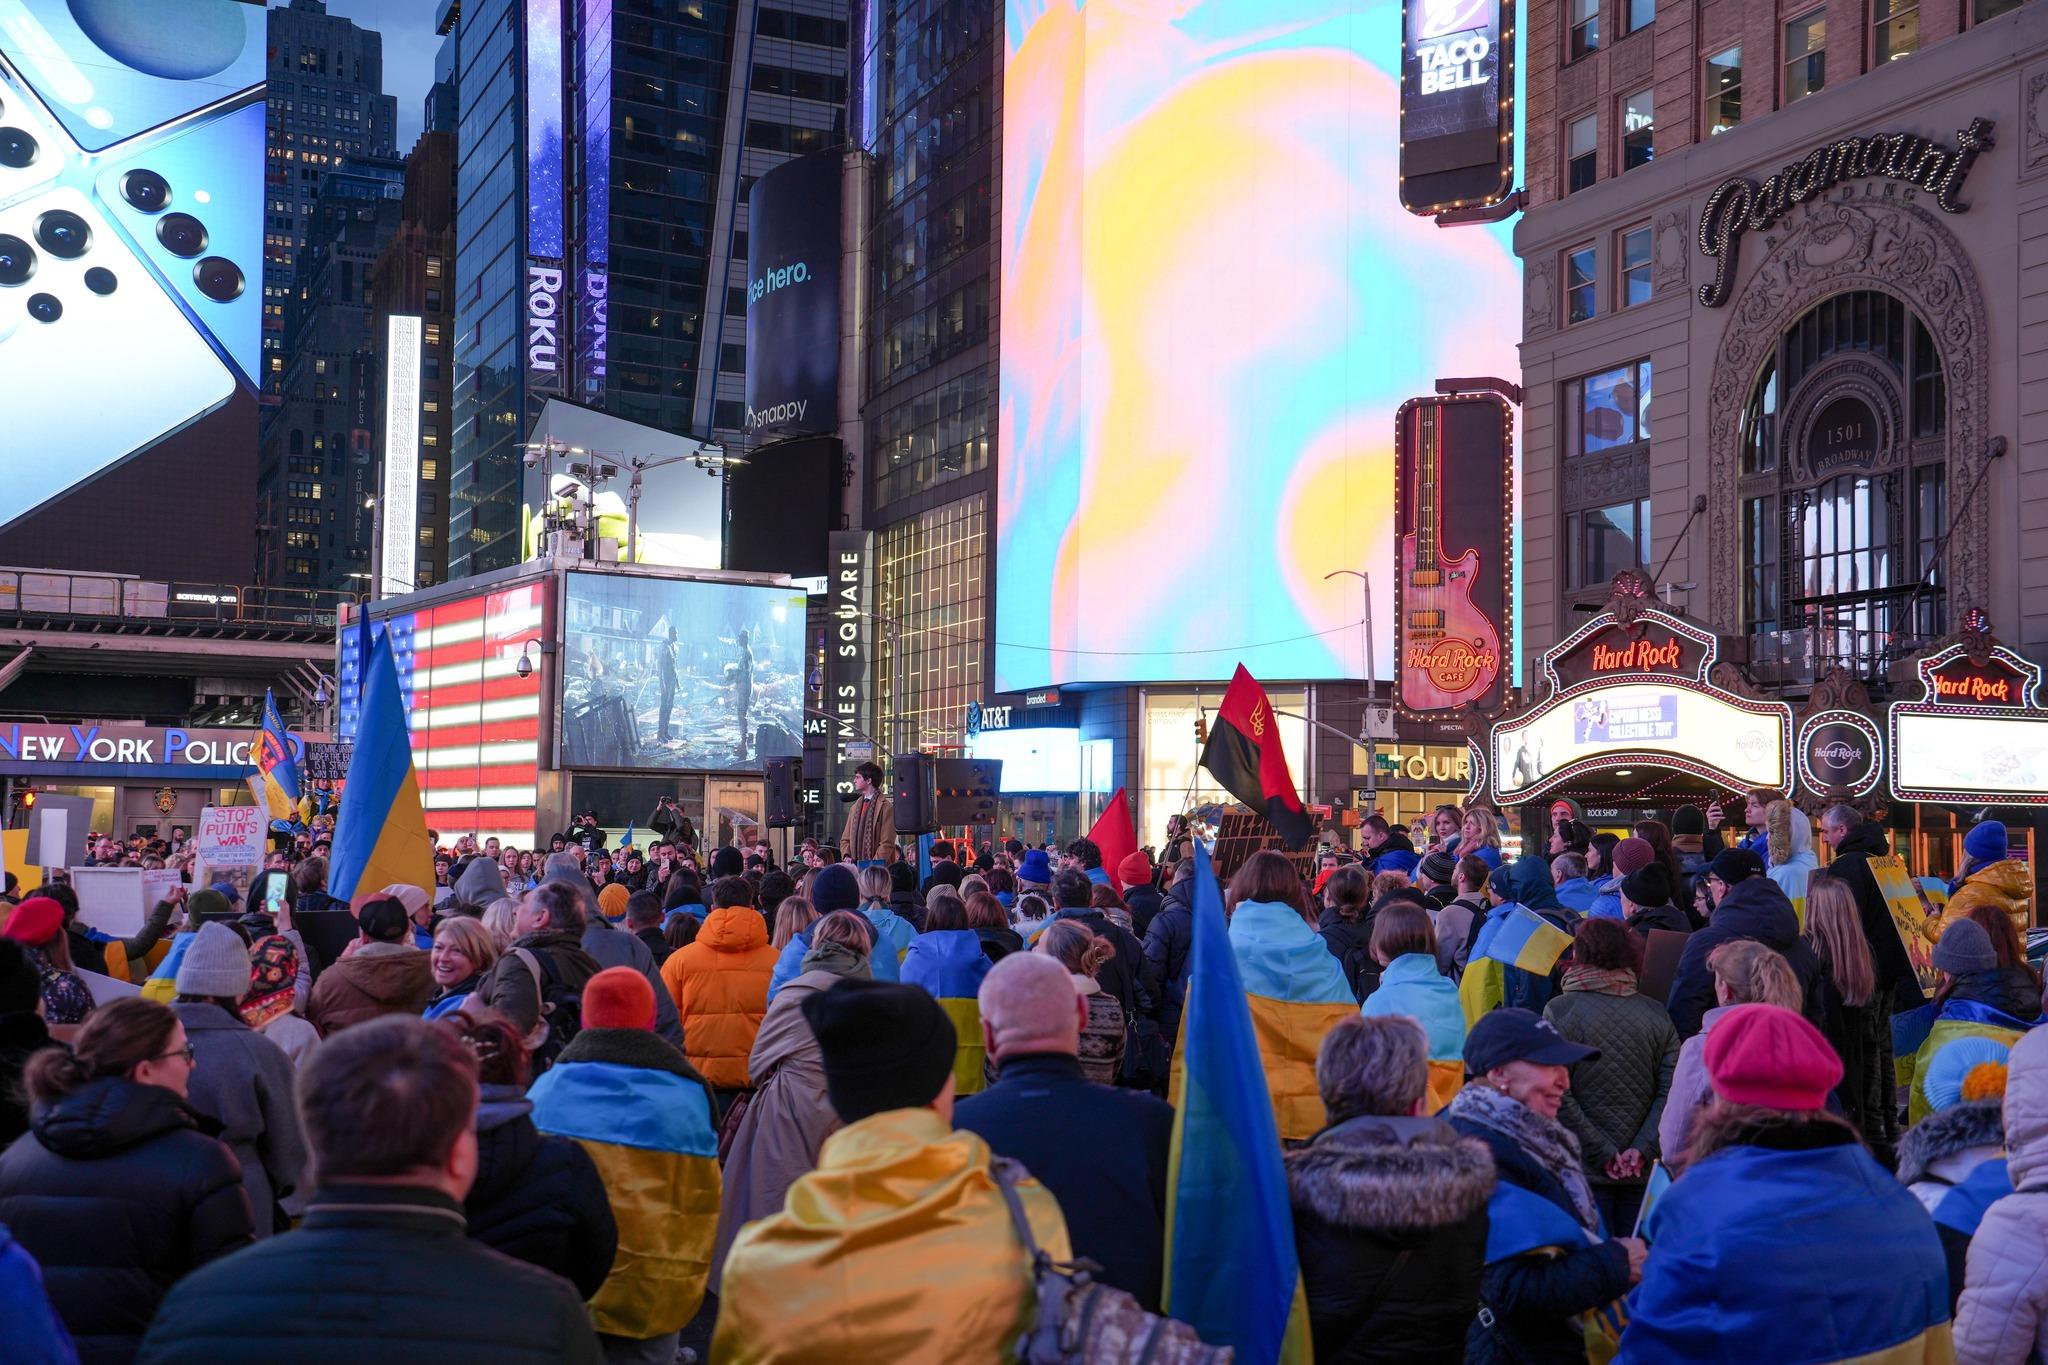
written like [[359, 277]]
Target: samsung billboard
[[793, 298], [131, 237]]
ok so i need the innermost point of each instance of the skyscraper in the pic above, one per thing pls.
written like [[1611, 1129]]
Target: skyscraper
[[326, 102], [605, 150]]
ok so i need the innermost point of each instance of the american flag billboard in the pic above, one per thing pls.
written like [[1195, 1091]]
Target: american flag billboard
[[475, 722]]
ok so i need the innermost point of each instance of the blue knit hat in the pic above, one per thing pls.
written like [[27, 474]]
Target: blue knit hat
[[834, 888], [1035, 867], [1985, 843], [1396, 860]]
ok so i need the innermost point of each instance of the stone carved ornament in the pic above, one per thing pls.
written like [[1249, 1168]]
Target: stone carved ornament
[[1832, 247]]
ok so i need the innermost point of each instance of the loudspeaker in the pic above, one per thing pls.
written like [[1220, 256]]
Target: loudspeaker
[[912, 781], [783, 774], [965, 790]]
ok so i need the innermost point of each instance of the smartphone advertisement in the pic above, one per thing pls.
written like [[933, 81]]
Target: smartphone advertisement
[[131, 222]]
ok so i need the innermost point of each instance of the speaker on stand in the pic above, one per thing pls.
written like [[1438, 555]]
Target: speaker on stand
[[912, 781]]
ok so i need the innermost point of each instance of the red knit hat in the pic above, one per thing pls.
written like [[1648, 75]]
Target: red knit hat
[[1135, 869], [1769, 1056], [1632, 855], [35, 921], [618, 997]]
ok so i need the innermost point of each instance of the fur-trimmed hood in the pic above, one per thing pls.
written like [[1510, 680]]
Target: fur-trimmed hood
[[1393, 1177], [1948, 1133]]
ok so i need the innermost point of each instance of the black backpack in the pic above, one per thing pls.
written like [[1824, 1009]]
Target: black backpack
[[561, 1010]]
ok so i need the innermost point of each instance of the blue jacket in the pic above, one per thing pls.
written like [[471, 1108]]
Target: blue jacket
[[893, 934], [1731, 1273], [1101, 1150], [1413, 986], [1576, 893], [1607, 901], [948, 963], [790, 965], [36, 1336]]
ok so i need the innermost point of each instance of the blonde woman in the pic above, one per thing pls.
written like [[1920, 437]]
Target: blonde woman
[[498, 919], [1788, 836], [1479, 837], [1850, 1016], [1745, 972], [792, 917], [463, 951]]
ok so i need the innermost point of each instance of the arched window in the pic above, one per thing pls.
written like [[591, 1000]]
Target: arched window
[[1843, 482]]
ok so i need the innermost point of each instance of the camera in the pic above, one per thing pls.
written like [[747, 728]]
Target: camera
[[45, 307], [17, 148], [63, 234], [100, 280], [181, 234], [219, 278], [145, 190], [17, 260]]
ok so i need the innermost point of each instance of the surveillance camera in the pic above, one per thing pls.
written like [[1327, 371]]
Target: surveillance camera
[[524, 668]]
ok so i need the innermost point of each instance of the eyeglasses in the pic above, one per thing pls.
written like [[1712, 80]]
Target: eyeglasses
[[185, 1052]]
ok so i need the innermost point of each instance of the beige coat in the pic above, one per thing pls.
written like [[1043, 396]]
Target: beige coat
[[787, 1121]]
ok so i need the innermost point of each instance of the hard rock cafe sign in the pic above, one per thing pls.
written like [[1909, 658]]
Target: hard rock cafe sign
[[1739, 205]]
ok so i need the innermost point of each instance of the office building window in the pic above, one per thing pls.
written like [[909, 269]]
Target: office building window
[[1632, 274], [1724, 90], [1898, 28], [1585, 28], [1991, 9], [1579, 273], [1641, 14], [1607, 410], [1581, 153], [1638, 129], [1600, 542], [1806, 58]]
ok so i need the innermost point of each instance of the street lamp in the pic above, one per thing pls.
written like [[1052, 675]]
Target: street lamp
[[1372, 689], [707, 457]]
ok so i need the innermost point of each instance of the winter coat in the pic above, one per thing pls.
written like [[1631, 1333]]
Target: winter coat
[[294, 1036], [1617, 1098], [481, 883], [244, 1082], [898, 1201], [1895, 979], [1297, 993], [1167, 941], [1953, 1162], [35, 1334], [118, 1195], [1457, 924], [21, 1037], [1576, 893], [1123, 976], [2000, 1003], [1800, 863], [787, 1121], [1144, 903], [1350, 942], [612, 947], [375, 980], [1364, 1192], [720, 986], [1542, 1269], [645, 1118], [1754, 908], [657, 946], [893, 934], [1413, 986], [1861, 1036], [1648, 917], [2003, 1317], [950, 965], [376, 1273], [1690, 1090], [997, 944], [2006, 886], [538, 1199], [1792, 1245], [509, 986], [1102, 1151]]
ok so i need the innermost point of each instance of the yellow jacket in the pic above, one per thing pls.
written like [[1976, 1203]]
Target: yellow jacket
[[897, 1250], [2008, 885]]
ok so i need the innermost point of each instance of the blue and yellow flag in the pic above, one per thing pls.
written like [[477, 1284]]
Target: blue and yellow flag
[[380, 832], [275, 781], [1231, 1270]]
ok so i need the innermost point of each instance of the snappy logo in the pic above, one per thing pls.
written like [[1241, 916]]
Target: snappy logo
[[772, 280], [780, 413]]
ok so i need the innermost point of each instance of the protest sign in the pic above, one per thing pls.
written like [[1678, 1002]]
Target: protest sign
[[231, 836], [110, 899], [158, 883], [1910, 912], [14, 854]]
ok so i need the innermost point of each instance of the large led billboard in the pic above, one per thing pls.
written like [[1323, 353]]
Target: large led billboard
[[793, 298], [131, 211], [680, 673], [1212, 306], [475, 721]]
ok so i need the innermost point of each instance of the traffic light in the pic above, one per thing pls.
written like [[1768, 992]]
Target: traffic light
[[1201, 730], [28, 799]]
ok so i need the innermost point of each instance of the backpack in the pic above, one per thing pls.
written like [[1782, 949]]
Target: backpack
[[561, 1010], [1080, 1321]]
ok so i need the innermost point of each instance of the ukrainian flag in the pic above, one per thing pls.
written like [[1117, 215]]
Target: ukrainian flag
[[1959, 1019], [275, 781], [950, 965], [1231, 1269], [380, 832], [1514, 936], [647, 1127]]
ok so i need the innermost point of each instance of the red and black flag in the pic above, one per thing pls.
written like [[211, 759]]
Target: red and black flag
[[1244, 754]]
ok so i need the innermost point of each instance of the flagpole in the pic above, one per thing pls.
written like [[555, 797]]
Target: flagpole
[[1372, 693]]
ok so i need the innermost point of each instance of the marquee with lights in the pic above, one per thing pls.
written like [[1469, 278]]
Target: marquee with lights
[[1977, 732]]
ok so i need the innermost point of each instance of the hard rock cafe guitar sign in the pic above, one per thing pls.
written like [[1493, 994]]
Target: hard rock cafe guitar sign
[[1451, 583]]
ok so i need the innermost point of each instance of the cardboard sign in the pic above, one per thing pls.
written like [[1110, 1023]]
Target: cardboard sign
[[232, 836], [51, 829], [157, 885], [1910, 912], [14, 853], [110, 899]]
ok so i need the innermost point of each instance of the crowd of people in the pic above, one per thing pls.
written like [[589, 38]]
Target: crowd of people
[[623, 1105]]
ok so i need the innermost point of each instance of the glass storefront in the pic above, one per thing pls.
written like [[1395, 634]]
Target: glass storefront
[[1413, 779], [930, 599], [1171, 778]]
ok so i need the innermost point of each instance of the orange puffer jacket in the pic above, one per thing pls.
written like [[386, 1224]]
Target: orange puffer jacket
[[720, 985]]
